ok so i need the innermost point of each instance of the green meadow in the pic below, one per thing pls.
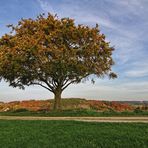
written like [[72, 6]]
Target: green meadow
[[72, 134]]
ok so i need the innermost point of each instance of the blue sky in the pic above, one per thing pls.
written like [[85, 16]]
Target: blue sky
[[125, 24]]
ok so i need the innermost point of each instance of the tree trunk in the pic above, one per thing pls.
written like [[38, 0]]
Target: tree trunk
[[57, 100]]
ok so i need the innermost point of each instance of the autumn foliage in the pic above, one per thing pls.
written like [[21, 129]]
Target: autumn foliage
[[53, 53], [67, 104]]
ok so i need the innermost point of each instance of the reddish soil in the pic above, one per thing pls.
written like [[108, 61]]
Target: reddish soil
[[39, 105]]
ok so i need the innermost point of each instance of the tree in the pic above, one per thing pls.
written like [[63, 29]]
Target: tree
[[53, 53]]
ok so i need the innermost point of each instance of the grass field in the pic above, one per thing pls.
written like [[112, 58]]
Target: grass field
[[74, 113], [72, 134]]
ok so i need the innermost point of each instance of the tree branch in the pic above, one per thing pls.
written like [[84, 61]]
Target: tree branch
[[68, 84], [42, 86], [51, 87]]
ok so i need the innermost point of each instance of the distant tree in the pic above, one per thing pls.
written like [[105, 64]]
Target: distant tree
[[53, 53]]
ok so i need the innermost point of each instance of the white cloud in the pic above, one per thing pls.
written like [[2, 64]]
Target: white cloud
[[137, 73], [46, 6]]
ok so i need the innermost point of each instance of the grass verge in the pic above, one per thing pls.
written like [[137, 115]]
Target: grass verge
[[74, 113]]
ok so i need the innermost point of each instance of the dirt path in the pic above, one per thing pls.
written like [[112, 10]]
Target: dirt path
[[87, 119]]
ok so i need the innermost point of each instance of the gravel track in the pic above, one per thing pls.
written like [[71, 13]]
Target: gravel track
[[87, 119]]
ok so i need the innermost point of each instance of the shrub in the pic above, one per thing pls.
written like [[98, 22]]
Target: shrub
[[20, 110], [138, 110]]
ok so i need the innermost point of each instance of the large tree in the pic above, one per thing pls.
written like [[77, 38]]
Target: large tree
[[53, 53]]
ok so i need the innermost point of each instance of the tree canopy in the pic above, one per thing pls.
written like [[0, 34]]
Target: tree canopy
[[53, 53]]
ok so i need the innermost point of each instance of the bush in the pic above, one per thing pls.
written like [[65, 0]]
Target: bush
[[138, 110], [20, 110]]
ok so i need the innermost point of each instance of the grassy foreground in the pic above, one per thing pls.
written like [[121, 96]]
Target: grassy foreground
[[72, 134]]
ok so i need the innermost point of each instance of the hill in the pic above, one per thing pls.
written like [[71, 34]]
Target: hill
[[67, 104]]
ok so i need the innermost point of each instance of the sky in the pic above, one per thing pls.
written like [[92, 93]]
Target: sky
[[125, 24]]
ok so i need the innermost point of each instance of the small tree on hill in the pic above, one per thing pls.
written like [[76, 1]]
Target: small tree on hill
[[53, 53]]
